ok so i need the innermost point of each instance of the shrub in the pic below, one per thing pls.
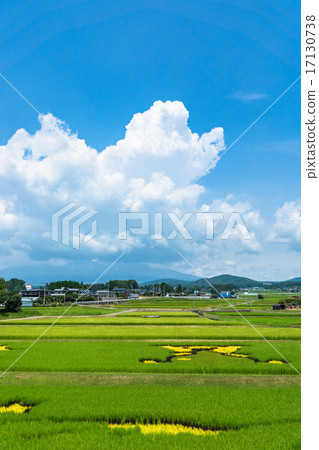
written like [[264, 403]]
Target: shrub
[[13, 302]]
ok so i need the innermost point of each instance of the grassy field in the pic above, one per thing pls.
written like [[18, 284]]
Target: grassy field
[[125, 357], [258, 319], [123, 319], [180, 381], [57, 311], [146, 332], [244, 417], [243, 302], [159, 313], [118, 320]]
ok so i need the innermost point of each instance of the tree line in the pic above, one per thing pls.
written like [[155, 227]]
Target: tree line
[[9, 298]]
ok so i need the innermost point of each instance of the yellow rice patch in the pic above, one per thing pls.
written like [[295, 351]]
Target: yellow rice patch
[[3, 348], [164, 428], [178, 349], [240, 355], [15, 408], [200, 347], [150, 361], [227, 350], [123, 426]]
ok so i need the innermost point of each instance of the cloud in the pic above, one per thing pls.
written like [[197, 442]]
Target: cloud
[[158, 147], [151, 167], [287, 226], [248, 96], [8, 220]]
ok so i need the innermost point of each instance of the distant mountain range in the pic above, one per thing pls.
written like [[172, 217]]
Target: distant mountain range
[[236, 281], [171, 281]]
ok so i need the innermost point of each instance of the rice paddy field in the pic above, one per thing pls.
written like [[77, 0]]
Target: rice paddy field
[[151, 374]]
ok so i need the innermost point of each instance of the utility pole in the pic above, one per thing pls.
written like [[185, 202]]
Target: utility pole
[[44, 296]]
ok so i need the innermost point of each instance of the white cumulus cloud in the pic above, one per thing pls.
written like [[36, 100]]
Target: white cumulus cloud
[[152, 168], [287, 225], [42, 172]]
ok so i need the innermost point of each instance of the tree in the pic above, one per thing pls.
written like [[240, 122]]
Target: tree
[[165, 288], [132, 284], [260, 296], [126, 284], [71, 297], [179, 289], [98, 287], [3, 292], [13, 302], [2, 284], [66, 284], [15, 284]]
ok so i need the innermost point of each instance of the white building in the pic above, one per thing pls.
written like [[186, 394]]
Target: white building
[[105, 295]]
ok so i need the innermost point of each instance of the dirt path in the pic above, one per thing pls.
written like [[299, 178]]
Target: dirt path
[[126, 311], [111, 379]]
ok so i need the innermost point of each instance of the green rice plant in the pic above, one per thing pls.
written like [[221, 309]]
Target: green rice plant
[[79, 416], [90, 435], [57, 311], [115, 320], [230, 312], [258, 319], [146, 332], [181, 313], [127, 357]]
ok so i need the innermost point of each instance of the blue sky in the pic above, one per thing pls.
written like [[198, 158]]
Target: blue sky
[[95, 64]]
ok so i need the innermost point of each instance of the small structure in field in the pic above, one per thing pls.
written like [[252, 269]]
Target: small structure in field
[[278, 306]]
